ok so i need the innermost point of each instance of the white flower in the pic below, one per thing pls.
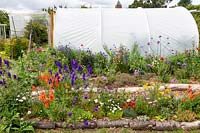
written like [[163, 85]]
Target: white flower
[[101, 103], [20, 100], [34, 93], [17, 99], [29, 112], [18, 95], [114, 108], [96, 101], [22, 119], [24, 98], [128, 100]]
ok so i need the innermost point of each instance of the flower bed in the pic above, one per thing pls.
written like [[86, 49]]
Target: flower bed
[[80, 89]]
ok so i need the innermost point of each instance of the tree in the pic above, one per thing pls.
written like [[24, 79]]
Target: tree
[[4, 19], [184, 3], [149, 3], [38, 30]]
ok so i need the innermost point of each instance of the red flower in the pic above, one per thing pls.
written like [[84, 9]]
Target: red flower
[[197, 49], [34, 88], [82, 45], [161, 58], [131, 103], [39, 50], [125, 105]]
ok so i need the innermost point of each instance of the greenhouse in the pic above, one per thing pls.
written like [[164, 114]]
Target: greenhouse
[[161, 31]]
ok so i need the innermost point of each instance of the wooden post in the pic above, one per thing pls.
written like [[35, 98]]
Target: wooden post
[[52, 28]]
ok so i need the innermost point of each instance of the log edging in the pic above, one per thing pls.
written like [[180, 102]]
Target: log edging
[[123, 123]]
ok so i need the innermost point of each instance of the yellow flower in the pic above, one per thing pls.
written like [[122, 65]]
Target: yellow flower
[[162, 92]]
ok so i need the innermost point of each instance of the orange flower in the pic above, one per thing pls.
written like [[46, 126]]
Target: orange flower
[[51, 95], [67, 86], [42, 96], [46, 103], [184, 99], [34, 88]]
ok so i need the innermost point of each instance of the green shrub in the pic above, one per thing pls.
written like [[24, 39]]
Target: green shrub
[[185, 116]]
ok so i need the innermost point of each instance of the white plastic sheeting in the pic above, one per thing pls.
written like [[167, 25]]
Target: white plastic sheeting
[[157, 31], [19, 20]]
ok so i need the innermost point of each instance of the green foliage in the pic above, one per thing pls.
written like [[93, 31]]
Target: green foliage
[[4, 19], [185, 116], [129, 113], [192, 104], [184, 2], [116, 115], [148, 3], [38, 31], [12, 123]]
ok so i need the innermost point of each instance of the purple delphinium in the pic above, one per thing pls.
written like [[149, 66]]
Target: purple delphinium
[[69, 114], [65, 68], [96, 109], [84, 76], [86, 123], [7, 63], [74, 64], [9, 74], [86, 97], [56, 75], [60, 71], [89, 70], [50, 71], [15, 76], [73, 78], [1, 82], [73, 103], [0, 62], [79, 69], [1, 72]]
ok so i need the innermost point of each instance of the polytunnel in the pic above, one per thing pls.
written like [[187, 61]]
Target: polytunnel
[[157, 31]]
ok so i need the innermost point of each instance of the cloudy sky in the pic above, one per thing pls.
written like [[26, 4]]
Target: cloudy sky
[[38, 4]]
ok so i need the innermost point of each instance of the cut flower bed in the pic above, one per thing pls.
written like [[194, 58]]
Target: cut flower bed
[[57, 86]]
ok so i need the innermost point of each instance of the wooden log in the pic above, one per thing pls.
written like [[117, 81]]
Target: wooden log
[[44, 125], [166, 126], [141, 125], [190, 125], [109, 124]]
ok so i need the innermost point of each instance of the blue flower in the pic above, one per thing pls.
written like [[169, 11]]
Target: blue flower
[[14, 76], [74, 64], [7, 63], [1, 82], [0, 62], [50, 71], [9, 75], [65, 68], [89, 71], [86, 123], [74, 103], [60, 71], [1, 73], [69, 114], [85, 97], [84, 77], [79, 68], [96, 109]]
